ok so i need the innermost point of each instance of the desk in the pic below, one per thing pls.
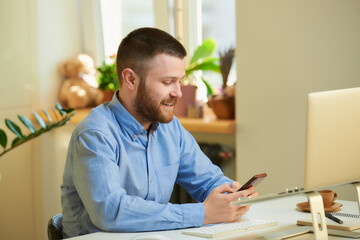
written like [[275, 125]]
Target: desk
[[282, 209]]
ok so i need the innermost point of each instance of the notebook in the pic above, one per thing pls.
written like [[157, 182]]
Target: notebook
[[351, 222]]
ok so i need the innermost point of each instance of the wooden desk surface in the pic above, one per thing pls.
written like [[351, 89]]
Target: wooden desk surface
[[208, 124]]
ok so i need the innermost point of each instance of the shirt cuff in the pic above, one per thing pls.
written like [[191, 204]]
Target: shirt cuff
[[194, 214]]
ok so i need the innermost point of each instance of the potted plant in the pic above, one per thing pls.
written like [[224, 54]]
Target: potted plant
[[223, 104], [202, 60], [108, 81]]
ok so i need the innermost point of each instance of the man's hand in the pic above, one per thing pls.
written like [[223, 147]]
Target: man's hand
[[235, 186], [217, 204]]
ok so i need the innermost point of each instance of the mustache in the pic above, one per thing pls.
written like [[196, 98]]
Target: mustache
[[171, 101]]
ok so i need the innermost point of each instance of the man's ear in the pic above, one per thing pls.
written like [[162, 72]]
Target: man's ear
[[129, 78]]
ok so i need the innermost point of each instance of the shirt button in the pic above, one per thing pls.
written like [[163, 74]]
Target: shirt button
[[134, 136], [150, 180]]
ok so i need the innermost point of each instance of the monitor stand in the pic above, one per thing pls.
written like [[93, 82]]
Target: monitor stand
[[357, 188], [317, 213]]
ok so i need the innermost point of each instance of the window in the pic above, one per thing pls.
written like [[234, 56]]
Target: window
[[218, 22], [121, 17], [201, 19]]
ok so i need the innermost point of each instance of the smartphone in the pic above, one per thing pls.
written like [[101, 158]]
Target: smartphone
[[255, 180]]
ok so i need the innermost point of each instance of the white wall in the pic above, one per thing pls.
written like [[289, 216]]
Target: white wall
[[286, 49], [17, 88], [36, 36], [58, 37]]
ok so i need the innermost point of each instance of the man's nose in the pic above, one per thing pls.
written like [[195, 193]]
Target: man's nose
[[176, 92]]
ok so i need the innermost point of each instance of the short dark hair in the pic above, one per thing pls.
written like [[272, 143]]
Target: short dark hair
[[143, 44]]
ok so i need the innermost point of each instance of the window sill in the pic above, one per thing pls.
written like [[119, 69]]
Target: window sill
[[204, 125]]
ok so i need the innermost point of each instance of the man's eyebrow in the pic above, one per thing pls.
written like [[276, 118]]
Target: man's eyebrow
[[174, 77], [183, 77]]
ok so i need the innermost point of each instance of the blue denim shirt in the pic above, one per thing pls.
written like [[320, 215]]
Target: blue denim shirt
[[119, 178]]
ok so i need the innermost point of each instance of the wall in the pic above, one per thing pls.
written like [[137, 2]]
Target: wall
[[17, 86], [58, 37], [286, 49], [36, 36]]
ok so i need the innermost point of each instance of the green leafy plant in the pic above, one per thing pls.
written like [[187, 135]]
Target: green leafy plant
[[108, 80], [62, 117], [204, 60]]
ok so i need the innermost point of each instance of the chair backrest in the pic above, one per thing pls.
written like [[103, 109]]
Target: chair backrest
[[54, 229]]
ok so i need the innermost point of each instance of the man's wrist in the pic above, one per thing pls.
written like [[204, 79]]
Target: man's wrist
[[193, 214]]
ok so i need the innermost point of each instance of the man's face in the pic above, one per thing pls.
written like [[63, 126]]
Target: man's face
[[157, 95]]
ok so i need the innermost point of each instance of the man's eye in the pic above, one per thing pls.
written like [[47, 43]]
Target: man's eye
[[167, 83]]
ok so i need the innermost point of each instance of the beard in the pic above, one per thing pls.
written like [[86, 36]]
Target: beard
[[149, 108]]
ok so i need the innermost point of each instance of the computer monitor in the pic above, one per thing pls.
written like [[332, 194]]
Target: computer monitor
[[333, 138]]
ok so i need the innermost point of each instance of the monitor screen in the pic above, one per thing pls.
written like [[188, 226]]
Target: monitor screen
[[333, 138]]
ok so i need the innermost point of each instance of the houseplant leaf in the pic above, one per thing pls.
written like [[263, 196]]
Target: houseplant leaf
[[209, 89], [20, 138], [3, 138], [54, 111], [15, 142], [60, 109], [108, 80], [206, 49], [40, 120], [27, 123], [68, 110], [14, 128], [209, 64], [48, 116]]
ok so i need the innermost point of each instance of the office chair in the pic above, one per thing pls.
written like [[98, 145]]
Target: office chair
[[54, 227]]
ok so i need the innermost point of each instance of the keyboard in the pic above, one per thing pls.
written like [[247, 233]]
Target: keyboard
[[224, 229]]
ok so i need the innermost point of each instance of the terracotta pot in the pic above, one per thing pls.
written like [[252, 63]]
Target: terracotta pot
[[108, 95], [188, 98], [223, 107]]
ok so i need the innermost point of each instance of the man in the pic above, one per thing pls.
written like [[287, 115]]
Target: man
[[126, 155]]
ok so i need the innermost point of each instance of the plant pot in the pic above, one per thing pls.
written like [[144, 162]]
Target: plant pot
[[108, 95], [223, 107], [188, 98]]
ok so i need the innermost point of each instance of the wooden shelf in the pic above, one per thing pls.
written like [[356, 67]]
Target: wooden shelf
[[208, 124]]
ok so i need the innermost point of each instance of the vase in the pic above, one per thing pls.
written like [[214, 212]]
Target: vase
[[223, 107], [108, 95]]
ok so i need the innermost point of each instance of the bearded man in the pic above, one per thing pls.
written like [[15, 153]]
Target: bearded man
[[126, 155]]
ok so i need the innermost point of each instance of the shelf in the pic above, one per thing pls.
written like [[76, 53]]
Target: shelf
[[208, 124]]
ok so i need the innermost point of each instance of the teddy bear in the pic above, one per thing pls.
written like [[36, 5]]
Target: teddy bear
[[80, 88]]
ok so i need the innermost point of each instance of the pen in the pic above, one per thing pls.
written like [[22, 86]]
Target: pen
[[335, 219]]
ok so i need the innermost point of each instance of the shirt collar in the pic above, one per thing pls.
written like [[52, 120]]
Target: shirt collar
[[126, 120]]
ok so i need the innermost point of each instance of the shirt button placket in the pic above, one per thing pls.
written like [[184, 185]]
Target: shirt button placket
[[150, 163], [151, 170]]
